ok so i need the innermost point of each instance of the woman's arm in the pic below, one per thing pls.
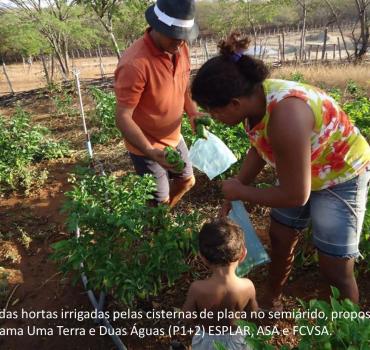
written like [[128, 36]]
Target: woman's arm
[[289, 130], [251, 167]]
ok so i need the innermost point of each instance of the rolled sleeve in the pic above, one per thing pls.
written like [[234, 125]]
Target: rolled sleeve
[[129, 85]]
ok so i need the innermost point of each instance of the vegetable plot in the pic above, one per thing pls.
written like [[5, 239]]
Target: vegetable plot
[[128, 248], [22, 146]]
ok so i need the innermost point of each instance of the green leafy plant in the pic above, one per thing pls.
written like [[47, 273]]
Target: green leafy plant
[[358, 110], [336, 94], [62, 99], [174, 158], [343, 332], [297, 76], [104, 118], [127, 247], [340, 325], [22, 145], [201, 125], [353, 88]]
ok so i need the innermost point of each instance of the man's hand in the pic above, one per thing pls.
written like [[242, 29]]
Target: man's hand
[[194, 117], [159, 156], [232, 189]]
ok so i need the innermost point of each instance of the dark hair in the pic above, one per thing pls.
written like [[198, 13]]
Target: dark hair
[[221, 241], [229, 75]]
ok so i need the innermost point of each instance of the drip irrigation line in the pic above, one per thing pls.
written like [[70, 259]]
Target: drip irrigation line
[[98, 304]]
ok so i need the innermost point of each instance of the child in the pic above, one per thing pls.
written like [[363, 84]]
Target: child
[[222, 248]]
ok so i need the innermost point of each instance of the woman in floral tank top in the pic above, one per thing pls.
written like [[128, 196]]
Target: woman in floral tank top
[[320, 157]]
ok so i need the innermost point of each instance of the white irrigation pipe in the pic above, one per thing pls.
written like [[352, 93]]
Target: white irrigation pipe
[[76, 73], [98, 305]]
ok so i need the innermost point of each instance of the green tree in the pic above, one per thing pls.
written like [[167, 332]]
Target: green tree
[[225, 16], [19, 37], [131, 20], [60, 23], [105, 11]]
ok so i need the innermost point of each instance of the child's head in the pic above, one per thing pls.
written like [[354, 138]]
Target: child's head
[[221, 242]]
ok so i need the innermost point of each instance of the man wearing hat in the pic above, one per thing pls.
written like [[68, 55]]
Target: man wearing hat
[[151, 86]]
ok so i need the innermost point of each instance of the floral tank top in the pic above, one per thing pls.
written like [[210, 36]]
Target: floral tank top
[[338, 151]]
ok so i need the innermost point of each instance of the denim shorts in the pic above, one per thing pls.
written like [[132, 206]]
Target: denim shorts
[[144, 165], [336, 215]]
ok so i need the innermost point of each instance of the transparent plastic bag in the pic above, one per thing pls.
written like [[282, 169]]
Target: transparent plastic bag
[[211, 156], [256, 253]]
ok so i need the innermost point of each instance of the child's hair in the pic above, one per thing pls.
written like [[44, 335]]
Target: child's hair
[[229, 75], [221, 242]]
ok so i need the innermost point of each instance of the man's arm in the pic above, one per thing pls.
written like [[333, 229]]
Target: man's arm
[[134, 135], [191, 109], [130, 82]]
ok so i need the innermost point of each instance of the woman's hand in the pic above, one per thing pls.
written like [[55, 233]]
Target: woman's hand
[[232, 189]]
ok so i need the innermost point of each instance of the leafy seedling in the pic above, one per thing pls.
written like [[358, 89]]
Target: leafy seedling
[[173, 157], [201, 125]]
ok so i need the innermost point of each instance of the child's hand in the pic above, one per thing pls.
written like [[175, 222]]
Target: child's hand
[[231, 189]]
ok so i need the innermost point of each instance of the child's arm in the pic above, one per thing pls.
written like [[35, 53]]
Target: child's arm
[[190, 302], [252, 304], [190, 305]]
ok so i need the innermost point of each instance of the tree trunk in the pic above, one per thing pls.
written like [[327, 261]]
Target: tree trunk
[[324, 44], [339, 27], [360, 52], [115, 45], [109, 28], [303, 33], [64, 46], [57, 45], [52, 67], [45, 69], [8, 79]]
